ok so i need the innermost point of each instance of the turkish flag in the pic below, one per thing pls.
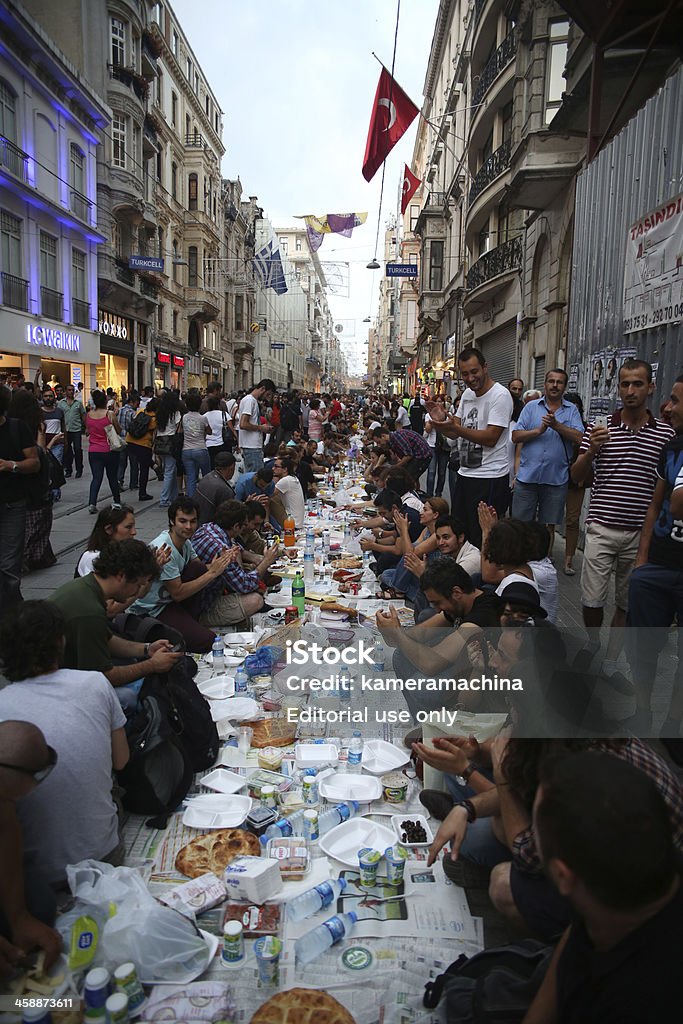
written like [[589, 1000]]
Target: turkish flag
[[411, 183], [392, 115]]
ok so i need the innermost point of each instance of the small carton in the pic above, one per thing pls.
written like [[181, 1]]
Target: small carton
[[194, 897], [252, 878]]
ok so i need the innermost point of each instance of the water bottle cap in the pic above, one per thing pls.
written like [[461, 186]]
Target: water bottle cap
[[353, 915], [356, 732], [342, 884]]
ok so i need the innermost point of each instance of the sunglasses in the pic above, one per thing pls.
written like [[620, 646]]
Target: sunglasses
[[41, 773]]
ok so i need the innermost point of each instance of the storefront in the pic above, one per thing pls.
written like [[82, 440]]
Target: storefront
[[162, 369], [117, 350], [63, 354], [177, 367]]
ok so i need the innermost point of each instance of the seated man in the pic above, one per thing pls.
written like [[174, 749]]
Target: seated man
[[120, 572], [255, 485], [289, 491], [450, 543], [174, 598], [27, 903], [215, 487], [253, 543], [71, 816], [239, 593], [386, 545], [605, 841]]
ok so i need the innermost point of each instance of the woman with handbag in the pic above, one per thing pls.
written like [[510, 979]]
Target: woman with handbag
[[104, 446], [221, 438], [168, 444]]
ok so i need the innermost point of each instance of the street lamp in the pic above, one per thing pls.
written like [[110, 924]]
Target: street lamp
[[373, 265]]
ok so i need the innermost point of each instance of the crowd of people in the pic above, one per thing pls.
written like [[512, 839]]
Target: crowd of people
[[575, 822]]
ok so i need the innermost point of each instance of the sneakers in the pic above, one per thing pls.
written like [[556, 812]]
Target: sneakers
[[92, 509], [438, 804], [145, 497], [116, 504]]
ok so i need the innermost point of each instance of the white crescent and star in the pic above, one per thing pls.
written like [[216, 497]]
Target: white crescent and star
[[392, 112]]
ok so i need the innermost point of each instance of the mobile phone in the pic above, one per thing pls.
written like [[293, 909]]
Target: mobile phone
[[601, 421], [177, 648]]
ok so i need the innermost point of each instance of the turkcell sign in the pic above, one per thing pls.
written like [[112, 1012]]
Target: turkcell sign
[[145, 263], [52, 337], [401, 270], [277, 344]]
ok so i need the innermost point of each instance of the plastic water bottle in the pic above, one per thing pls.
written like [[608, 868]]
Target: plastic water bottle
[[310, 902], [218, 652], [344, 683], [311, 945], [347, 535], [336, 815], [367, 558], [326, 544], [291, 826], [355, 752], [310, 539], [379, 656], [241, 680], [299, 594], [309, 567]]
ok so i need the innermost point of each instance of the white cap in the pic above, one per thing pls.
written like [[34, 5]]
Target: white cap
[[310, 814], [117, 1002], [232, 928]]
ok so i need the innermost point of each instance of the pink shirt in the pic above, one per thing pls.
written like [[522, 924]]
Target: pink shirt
[[95, 428], [315, 424]]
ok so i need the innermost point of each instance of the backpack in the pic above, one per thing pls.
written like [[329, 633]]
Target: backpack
[[198, 729], [139, 425], [496, 986], [416, 414]]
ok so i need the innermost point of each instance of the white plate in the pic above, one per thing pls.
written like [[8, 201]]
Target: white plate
[[333, 616], [362, 788], [237, 709], [229, 661], [223, 781], [280, 600], [380, 757], [344, 841], [217, 688], [242, 639], [396, 820], [216, 810], [185, 979], [308, 755]]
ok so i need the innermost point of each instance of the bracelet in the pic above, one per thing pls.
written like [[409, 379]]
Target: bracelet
[[145, 652], [471, 810]]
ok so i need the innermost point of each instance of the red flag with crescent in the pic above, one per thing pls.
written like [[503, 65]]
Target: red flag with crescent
[[392, 114], [411, 183]]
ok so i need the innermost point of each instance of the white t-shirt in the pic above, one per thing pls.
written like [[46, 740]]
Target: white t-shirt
[[231, 408], [429, 432], [402, 417], [215, 418], [86, 562], [71, 816], [469, 558], [292, 498], [494, 409], [250, 438]]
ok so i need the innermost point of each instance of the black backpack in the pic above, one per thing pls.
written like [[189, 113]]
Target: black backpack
[[198, 730], [139, 425]]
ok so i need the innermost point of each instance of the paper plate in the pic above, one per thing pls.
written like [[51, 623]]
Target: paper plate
[[420, 819], [242, 639], [217, 687], [344, 841], [223, 781], [380, 757], [279, 600], [217, 810], [308, 755], [362, 788], [237, 709], [229, 661]]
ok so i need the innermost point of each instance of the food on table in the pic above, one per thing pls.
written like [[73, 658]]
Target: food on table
[[302, 1006], [272, 732], [215, 851], [349, 562], [394, 787], [270, 758], [256, 920], [292, 856], [347, 576], [333, 606], [412, 832]]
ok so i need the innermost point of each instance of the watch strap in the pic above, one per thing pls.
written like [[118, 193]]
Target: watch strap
[[471, 768], [471, 810]]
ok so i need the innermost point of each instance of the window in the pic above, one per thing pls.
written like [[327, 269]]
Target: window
[[205, 337], [175, 323], [192, 192], [116, 238], [187, 126], [436, 266], [283, 246], [192, 266], [214, 341], [79, 284], [137, 148], [174, 180], [160, 317], [118, 42], [118, 140], [506, 115], [239, 312], [156, 14], [8, 117], [134, 47], [176, 257], [484, 239], [206, 103], [189, 70], [10, 244], [196, 84], [159, 91], [158, 166], [414, 215], [175, 44], [160, 242], [298, 244], [174, 109], [48, 261], [487, 148], [77, 169], [557, 58], [504, 224]]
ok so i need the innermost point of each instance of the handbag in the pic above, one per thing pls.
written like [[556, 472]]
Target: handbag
[[228, 433], [114, 440], [168, 444]]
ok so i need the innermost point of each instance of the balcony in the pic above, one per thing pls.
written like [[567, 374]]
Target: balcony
[[152, 48], [194, 140], [14, 292], [80, 205], [499, 61], [150, 139], [436, 199], [80, 315], [148, 288], [501, 260], [130, 78], [498, 162], [14, 159], [51, 303]]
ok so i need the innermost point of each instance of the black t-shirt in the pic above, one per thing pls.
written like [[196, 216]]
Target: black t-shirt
[[485, 610], [14, 437], [635, 982], [305, 475], [666, 545], [416, 414]]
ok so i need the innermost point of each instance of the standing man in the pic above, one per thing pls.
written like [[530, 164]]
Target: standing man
[[214, 389], [18, 457], [623, 459], [482, 426], [74, 422], [547, 429], [251, 430], [53, 417], [516, 389]]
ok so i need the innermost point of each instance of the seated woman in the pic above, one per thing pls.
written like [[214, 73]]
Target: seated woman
[[401, 580], [111, 524], [71, 816]]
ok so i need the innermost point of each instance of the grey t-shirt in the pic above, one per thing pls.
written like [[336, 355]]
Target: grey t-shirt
[[71, 815], [194, 436]]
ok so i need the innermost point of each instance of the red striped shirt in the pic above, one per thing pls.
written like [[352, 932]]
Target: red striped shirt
[[625, 472]]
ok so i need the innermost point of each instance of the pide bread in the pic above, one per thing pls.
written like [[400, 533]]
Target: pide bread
[[302, 1006], [215, 851], [272, 732]]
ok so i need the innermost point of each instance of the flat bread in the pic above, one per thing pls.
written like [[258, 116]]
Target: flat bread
[[215, 851], [272, 732], [302, 1006], [348, 562]]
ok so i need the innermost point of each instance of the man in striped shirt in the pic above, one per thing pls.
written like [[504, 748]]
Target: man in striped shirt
[[622, 458]]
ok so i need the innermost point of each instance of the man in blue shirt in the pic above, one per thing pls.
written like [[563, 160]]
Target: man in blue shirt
[[547, 429], [259, 483]]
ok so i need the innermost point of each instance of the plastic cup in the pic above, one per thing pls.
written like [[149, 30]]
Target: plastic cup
[[368, 862], [395, 857], [244, 736], [267, 951]]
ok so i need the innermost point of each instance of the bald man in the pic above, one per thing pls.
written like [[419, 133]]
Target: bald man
[[27, 902]]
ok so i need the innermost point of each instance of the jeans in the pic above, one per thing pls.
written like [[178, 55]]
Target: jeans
[[655, 599], [123, 464], [169, 492], [140, 462], [12, 531], [480, 845], [101, 462], [73, 451], [253, 459], [402, 580], [196, 462], [543, 501], [437, 471]]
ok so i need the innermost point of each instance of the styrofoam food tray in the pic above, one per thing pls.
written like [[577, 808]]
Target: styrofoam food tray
[[362, 788], [280, 600], [223, 780], [308, 755], [216, 810], [217, 688], [242, 639], [237, 709], [419, 819], [185, 979], [228, 660], [344, 841], [380, 757]]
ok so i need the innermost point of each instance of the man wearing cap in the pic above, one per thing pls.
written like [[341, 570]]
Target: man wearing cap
[[251, 430], [215, 488]]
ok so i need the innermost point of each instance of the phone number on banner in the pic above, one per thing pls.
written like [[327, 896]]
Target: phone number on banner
[[662, 315]]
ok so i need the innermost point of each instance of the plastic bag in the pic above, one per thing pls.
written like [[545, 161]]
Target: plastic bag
[[261, 663], [239, 464]]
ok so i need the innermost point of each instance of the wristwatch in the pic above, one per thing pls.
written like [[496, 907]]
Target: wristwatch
[[145, 653], [470, 808], [468, 771], [15, 467]]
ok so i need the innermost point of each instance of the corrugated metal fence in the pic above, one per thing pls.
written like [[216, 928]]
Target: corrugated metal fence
[[641, 168]]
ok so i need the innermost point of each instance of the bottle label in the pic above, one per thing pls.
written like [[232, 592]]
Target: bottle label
[[355, 757], [336, 928], [326, 893]]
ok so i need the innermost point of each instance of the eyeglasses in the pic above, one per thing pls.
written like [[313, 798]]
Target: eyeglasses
[[41, 773]]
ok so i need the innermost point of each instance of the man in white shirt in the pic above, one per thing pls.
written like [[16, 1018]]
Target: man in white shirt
[[251, 430], [288, 488], [402, 417]]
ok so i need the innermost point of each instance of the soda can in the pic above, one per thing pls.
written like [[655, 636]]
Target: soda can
[[291, 613], [97, 987], [310, 790], [126, 980], [233, 944], [310, 825]]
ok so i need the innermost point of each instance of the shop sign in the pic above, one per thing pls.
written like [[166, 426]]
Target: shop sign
[[164, 358], [179, 362], [53, 337], [145, 263], [206, 368], [112, 326]]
